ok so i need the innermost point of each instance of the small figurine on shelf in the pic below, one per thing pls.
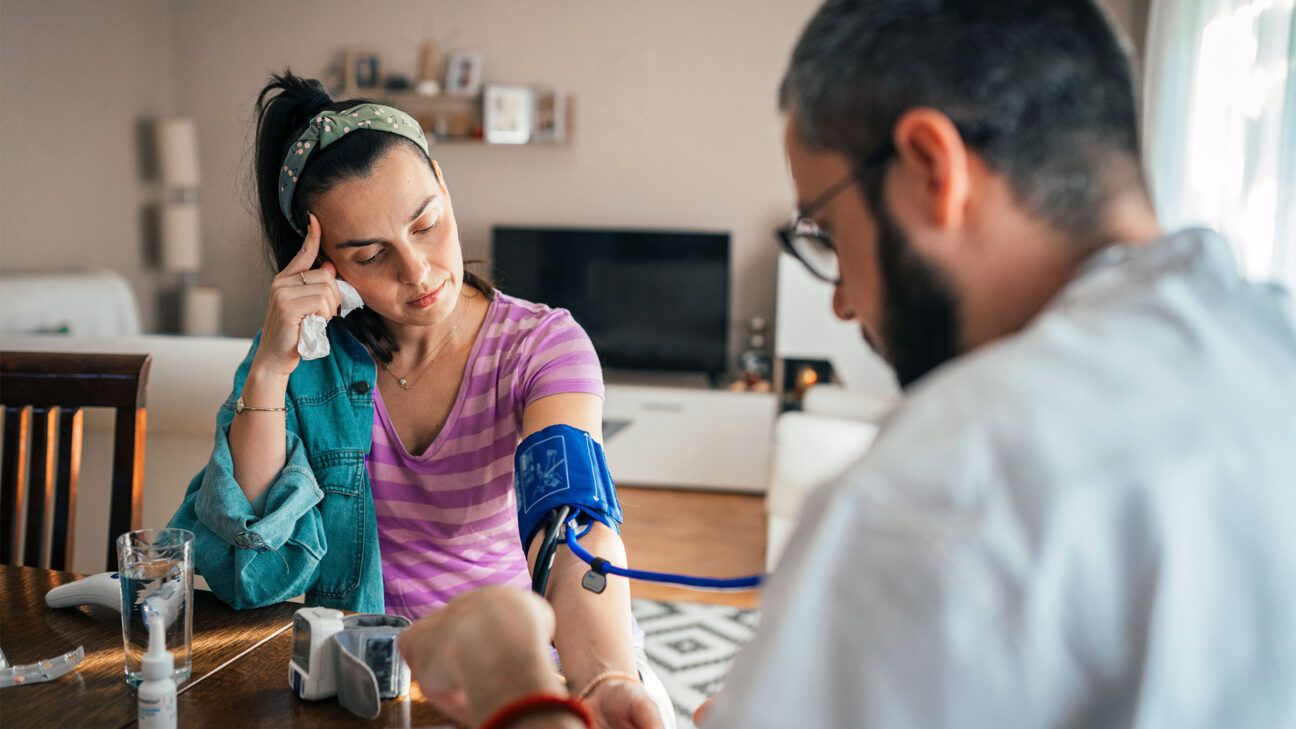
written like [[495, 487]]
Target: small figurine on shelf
[[800, 375], [754, 363], [396, 82]]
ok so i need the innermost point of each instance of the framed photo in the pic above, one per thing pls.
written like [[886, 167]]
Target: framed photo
[[363, 70], [464, 72], [550, 119], [507, 113]]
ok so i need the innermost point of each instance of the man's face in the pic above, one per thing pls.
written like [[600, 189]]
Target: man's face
[[903, 306]]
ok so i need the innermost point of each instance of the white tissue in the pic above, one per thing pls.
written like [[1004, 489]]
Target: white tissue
[[313, 343]]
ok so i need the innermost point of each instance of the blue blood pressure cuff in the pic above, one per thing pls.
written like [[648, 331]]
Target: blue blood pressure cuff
[[562, 466]]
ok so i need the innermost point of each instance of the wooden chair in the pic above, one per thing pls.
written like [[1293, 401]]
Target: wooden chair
[[43, 394]]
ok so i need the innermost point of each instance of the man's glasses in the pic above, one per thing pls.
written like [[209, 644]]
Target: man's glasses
[[812, 245], [809, 243]]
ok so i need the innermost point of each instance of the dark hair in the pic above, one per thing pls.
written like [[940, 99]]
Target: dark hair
[[283, 109], [1042, 91]]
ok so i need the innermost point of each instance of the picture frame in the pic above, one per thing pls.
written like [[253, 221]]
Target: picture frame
[[507, 113], [550, 117], [463, 72], [363, 69]]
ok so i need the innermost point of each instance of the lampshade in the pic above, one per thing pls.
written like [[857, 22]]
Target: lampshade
[[200, 312], [180, 235], [177, 151]]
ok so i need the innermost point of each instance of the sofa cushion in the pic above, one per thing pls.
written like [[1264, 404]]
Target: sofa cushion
[[74, 302], [189, 379], [810, 450]]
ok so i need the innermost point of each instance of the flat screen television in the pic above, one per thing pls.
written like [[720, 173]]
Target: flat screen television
[[649, 299]]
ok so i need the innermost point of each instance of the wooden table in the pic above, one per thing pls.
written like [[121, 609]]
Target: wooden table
[[257, 685], [240, 666]]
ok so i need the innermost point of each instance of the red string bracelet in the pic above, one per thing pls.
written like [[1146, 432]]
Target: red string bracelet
[[532, 703]]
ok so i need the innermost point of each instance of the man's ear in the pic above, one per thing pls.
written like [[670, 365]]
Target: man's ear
[[935, 161]]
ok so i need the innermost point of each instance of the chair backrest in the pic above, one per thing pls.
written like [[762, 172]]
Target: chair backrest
[[43, 394]]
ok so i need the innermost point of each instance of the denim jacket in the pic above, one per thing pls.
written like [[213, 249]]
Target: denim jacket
[[313, 530]]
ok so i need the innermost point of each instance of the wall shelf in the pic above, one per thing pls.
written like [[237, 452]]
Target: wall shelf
[[457, 119]]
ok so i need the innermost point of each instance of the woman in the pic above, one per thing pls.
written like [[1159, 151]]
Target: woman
[[380, 477]]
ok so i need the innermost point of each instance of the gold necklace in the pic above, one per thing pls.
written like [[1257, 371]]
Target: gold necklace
[[404, 382]]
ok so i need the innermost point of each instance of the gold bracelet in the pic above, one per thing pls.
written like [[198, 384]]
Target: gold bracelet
[[240, 408], [603, 677]]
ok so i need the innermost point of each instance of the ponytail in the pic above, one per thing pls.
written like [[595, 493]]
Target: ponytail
[[281, 118]]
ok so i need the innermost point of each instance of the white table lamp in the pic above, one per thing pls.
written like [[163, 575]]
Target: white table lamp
[[179, 224], [177, 152]]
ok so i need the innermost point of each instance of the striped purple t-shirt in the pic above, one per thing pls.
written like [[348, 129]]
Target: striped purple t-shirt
[[447, 517]]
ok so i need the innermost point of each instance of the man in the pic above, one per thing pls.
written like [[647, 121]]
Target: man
[[1085, 512]]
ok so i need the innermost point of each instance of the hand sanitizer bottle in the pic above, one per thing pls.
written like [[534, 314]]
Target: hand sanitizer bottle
[[157, 692]]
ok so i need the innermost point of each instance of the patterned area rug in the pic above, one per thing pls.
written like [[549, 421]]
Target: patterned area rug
[[691, 645]]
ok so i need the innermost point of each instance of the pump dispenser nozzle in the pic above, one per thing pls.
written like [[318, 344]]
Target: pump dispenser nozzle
[[158, 661], [157, 693]]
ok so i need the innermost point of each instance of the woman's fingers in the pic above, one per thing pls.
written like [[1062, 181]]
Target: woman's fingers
[[309, 283], [319, 275], [298, 291], [305, 258], [316, 299]]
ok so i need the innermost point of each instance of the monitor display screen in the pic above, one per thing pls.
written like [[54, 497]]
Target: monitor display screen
[[650, 300]]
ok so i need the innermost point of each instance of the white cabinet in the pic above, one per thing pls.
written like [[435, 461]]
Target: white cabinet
[[681, 437]]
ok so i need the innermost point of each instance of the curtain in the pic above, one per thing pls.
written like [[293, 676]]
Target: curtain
[[1220, 125]]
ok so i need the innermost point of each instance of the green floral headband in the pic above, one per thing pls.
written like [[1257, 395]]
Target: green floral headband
[[329, 126]]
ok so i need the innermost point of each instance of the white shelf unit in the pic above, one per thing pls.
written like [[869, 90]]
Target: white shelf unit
[[427, 109], [690, 438]]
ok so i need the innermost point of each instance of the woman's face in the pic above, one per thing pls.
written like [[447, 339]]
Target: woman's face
[[392, 235]]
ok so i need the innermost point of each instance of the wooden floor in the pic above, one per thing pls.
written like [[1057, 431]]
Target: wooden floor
[[697, 533]]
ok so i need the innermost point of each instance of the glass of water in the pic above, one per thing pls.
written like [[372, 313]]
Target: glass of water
[[156, 568]]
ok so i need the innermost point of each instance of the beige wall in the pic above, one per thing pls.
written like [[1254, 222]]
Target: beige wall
[[675, 122], [675, 119], [77, 81]]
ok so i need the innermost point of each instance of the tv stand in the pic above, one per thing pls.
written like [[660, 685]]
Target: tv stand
[[688, 436]]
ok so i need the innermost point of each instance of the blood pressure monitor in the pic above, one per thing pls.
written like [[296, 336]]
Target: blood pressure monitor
[[312, 672], [354, 658]]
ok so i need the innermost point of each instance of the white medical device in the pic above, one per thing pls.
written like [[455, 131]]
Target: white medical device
[[105, 589], [312, 671], [101, 589], [353, 658]]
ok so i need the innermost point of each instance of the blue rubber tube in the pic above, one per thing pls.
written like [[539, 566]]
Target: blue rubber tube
[[717, 583]]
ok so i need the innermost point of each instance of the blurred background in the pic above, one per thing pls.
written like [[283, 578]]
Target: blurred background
[[674, 123]]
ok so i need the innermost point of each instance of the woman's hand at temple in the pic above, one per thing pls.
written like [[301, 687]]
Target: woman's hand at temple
[[257, 439], [297, 292]]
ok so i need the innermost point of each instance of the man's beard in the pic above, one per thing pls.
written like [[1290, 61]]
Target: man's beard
[[919, 309]]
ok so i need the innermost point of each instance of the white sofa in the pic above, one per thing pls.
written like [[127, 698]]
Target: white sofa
[[189, 379], [834, 429], [837, 423], [191, 376]]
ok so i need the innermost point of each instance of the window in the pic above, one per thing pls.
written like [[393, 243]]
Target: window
[[1220, 125]]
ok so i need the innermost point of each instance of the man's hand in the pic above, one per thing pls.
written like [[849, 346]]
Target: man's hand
[[482, 650]]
